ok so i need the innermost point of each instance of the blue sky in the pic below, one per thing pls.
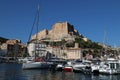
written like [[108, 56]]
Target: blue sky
[[92, 18]]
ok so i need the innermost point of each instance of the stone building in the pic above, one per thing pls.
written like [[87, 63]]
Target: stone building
[[72, 53], [66, 53], [39, 49], [13, 48], [3, 49], [61, 30], [41, 35]]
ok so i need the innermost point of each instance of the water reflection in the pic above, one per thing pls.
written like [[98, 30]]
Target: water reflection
[[109, 77], [48, 75], [14, 72], [10, 71]]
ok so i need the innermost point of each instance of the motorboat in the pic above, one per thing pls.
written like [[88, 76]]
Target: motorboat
[[59, 67], [68, 67], [57, 63], [82, 67], [95, 66], [110, 66]]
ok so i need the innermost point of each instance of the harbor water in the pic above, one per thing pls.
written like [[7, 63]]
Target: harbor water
[[13, 71]]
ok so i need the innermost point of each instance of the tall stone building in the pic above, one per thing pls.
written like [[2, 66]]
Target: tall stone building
[[61, 30]]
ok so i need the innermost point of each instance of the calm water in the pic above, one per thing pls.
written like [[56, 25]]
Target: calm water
[[14, 72]]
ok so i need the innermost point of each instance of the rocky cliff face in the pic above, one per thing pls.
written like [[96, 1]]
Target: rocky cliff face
[[62, 30]]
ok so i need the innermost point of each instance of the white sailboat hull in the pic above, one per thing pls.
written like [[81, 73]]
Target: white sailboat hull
[[35, 65]]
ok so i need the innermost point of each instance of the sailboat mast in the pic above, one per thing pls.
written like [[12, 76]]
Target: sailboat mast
[[38, 22], [37, 41]]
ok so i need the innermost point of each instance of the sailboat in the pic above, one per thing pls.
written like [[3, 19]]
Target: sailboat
[[35, 63]]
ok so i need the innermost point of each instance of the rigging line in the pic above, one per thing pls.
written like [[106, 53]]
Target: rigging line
[[38, 11], [32, 27]]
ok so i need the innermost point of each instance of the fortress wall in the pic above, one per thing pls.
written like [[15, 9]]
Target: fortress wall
[[58, 31], [41, 34]]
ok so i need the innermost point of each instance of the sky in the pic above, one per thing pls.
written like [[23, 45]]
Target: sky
[[98, 20]]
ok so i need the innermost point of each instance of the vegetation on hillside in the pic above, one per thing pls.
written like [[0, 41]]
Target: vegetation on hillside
[[3, 40], [87, 44], [82, 44]]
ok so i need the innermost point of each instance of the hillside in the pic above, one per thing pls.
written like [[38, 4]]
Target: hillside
[[3, 40]]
